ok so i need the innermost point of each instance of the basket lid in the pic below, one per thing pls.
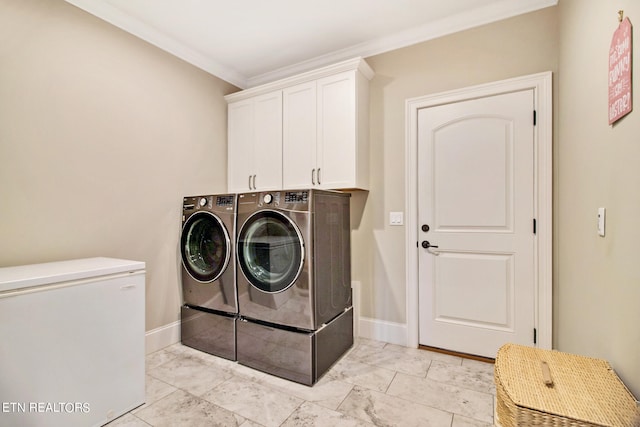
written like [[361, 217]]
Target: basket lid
[[584, 389]]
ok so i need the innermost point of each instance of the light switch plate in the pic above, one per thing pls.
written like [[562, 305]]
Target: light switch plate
[[396, 218], [601, 214]]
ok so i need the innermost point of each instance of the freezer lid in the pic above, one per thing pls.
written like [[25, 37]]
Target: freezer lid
[[24, 276]]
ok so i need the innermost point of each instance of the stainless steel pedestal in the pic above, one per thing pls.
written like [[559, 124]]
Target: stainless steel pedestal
[[209, 332], [300, 356]]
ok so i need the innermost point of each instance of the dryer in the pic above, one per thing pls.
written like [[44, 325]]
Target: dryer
[[293, 255], [210, 308]]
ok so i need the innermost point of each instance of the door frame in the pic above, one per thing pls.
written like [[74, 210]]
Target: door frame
[[541, 84]]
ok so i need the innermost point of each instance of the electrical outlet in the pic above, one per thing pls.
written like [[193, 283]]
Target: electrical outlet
[[396, 218]]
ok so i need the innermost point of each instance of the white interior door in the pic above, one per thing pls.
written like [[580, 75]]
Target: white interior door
[[476, 208]]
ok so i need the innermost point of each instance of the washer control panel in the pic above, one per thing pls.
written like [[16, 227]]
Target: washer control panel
[[224, 201]]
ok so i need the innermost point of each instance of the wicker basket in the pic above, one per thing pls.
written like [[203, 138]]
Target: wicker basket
[[581, 391]]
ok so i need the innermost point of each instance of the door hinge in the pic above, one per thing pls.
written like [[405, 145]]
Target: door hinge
[[535, 117], [535, 226], [535, 336]]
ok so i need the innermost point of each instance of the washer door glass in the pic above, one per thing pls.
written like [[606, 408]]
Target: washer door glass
[[270, 251], [205, 246]]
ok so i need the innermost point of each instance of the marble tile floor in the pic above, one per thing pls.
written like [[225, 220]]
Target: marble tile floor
[[374, 384]]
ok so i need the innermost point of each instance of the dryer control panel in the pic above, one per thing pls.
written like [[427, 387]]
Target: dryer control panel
[[296, 197], [290, 200], [271, 199]]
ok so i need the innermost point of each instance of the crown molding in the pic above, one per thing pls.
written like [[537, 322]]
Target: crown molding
[[114, 16], [492, 12]]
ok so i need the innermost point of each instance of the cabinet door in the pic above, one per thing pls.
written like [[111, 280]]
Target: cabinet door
[[299, 136], [337, 131], [268, 141], [240, 146]]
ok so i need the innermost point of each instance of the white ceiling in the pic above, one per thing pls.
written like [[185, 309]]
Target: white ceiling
[[251, 42]]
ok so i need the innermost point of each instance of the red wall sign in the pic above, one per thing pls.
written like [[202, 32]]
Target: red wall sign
[[620, 72]]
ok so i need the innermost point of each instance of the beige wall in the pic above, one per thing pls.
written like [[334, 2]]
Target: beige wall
[[519, 46], [101, 135], [597, 310]]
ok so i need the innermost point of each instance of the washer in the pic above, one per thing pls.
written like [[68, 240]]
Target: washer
[[294, 282], [207, 250]]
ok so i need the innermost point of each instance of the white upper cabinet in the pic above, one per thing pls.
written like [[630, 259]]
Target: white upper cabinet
[[318, 131], [267, 151], [240, 145], [299, 136], [343, 131], [255, 143]]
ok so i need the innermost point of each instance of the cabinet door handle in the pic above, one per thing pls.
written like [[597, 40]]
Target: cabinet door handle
[[313, 177], [319, 176], [254, 182], [249, 182]]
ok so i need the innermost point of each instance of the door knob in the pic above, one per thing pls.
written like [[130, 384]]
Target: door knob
[[427, 245], [425, 227]]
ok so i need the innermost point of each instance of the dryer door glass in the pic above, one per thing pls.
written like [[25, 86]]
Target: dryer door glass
[[205, 246], [270, 251]]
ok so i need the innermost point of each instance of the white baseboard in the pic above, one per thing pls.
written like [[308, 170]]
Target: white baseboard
[[164, 336], [374, 329], [382, 330]]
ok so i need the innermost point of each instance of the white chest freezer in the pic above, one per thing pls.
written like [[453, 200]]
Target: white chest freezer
[[71, 342]]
